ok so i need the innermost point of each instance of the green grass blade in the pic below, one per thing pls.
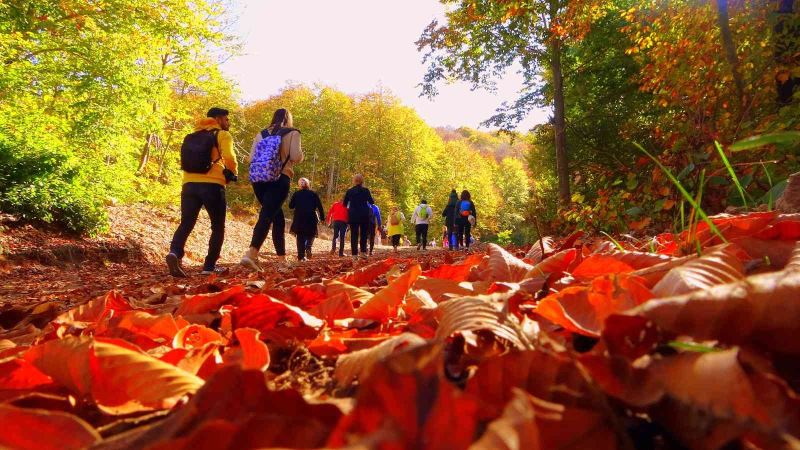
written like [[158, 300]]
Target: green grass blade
[[769, 179], [765, 139], [620, 247], [692, 347], [732, 173], [685, 194]]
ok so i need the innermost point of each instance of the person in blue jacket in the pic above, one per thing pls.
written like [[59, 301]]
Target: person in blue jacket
[[375, 226]]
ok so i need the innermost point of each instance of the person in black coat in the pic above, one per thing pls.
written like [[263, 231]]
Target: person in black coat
[[306, 204], [358, 199], [449, 215]]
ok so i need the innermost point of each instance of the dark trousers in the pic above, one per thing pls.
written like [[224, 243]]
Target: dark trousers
[[271, 195], [448, 235], [194, 197], [358, 235], [339, 230], [395, 241], [371, 238], [422, 232], [463, 229], [304, 244]]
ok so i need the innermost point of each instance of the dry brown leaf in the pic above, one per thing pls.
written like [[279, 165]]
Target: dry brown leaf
[[358, 364], [38, 429], [480, 313], [382, 306], [760, 309], [515, 429], [503, 266], [718, 267], [535, 253]]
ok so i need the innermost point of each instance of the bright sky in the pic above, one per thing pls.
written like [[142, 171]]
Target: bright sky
[[354, 46]]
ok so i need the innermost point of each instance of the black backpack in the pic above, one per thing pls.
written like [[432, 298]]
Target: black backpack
[[196, 151]]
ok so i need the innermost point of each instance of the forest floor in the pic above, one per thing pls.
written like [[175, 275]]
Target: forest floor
[[45, 264]]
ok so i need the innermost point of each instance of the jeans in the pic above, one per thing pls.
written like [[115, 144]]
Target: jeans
[[271, 195], [358, 235], [304, 244], [194, 197], [463, 229], [339, 230], [422, 231]]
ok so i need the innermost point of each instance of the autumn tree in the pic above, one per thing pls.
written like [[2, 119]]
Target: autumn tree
[[481, 40]]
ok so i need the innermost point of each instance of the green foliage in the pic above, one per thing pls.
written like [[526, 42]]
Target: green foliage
[[84, 86]]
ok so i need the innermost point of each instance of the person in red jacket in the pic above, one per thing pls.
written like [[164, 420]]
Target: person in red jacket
[[337, 216]]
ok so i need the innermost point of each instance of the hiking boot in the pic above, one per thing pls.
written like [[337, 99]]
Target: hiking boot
[[250, 263], [215, 270], [174, 265]]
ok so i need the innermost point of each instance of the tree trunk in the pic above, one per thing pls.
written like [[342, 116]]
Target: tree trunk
[[145, 156], [730, 48], [785, 47], [560, 122]]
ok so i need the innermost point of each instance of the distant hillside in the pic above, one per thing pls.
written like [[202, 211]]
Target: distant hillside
[[488, 143]]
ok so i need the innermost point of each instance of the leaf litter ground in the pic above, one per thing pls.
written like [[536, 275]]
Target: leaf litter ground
[[571, 343]]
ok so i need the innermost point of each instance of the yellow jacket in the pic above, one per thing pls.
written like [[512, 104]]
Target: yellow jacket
[[224, 142]]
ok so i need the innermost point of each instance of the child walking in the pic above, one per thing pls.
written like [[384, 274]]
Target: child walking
[[395, 229]]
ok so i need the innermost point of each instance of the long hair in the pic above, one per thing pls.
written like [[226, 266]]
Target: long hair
[[465, 195], [281, 118]]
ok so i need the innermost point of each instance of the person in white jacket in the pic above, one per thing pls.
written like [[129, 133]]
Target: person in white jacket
[[421, 220]]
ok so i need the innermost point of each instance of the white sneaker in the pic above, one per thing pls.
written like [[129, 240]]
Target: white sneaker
[[250, 263]]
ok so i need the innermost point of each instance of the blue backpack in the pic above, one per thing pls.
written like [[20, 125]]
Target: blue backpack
[[266, 164], [465, 208]]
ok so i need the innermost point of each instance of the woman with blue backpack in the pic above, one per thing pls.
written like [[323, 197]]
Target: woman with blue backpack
[[275, 151], [466, 216]]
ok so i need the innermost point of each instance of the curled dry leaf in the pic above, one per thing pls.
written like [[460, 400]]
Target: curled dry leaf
[[333, 308], [638, 260], [535, 253], [599, 265], [653, 274], [555, 263], [244, 413], [358, 364], [383, 305], [275, 319], [365, 275], [37, 429], [196, 336], [718, 267], [480, 313], [503, 266], [515, 429], [760, 309], [441, 289], [118, 379], [203, 303], [356, 295], [455, 272], [252, 354]]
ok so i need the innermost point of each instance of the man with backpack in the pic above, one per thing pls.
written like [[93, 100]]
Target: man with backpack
[[421, 220], [209, 163]]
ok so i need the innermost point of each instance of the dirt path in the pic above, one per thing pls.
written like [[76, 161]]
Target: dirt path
[[39, 264]]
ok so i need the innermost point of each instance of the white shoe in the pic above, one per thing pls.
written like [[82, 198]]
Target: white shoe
[[250, 263]]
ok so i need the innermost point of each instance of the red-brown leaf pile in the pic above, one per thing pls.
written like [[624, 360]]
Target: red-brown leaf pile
[[577, 345]]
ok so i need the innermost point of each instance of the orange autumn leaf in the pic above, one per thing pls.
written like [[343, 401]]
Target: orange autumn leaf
[[203, 303], [668, 204], [597, 265], [455, 272], [37, 429], [196, 336], [365, 275], [583, 309], [251, 353], [383, 305]]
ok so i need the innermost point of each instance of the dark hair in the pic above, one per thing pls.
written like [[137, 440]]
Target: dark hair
[[465, 195], [279, 118], [217, 112], [424, 202]]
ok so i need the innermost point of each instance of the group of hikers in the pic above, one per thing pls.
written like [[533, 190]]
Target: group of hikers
[[209, 163]]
